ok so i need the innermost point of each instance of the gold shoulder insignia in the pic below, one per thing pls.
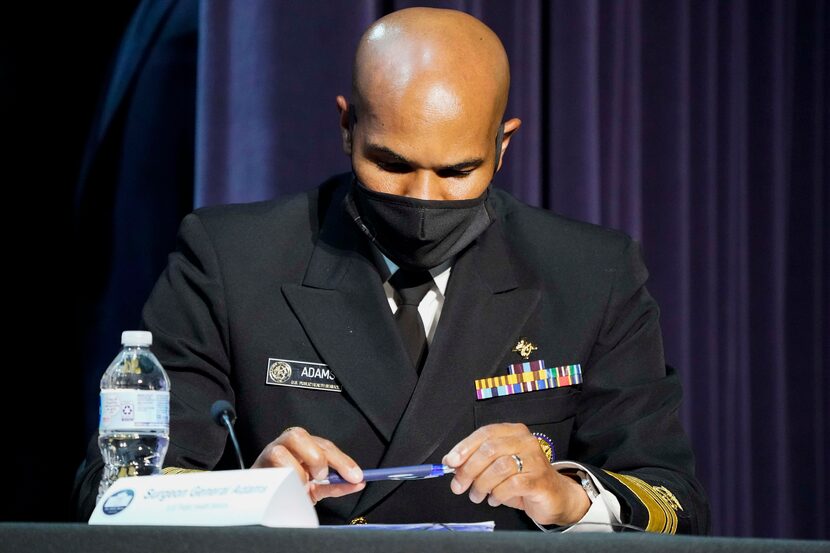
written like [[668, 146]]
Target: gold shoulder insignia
[[660, 503]]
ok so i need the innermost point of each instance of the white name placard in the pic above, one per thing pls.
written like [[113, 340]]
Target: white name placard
[[267, 497]]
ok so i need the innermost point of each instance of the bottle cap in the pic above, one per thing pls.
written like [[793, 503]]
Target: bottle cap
[[136, 338]]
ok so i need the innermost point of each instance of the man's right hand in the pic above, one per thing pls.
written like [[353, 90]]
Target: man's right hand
[[311, 456]]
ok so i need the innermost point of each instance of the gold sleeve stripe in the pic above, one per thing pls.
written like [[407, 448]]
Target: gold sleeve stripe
[[178, 470], [662, 514], [670, 520]]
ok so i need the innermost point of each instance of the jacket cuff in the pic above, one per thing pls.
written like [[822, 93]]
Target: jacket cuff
[[653, 508]]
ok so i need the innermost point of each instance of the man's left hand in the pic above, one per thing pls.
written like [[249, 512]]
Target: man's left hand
[[484, 465]]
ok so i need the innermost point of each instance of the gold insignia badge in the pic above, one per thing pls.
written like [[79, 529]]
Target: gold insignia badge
[[358, 520], [546, 444], [668, 497], [546, 449], [280, 372], [524, 348]]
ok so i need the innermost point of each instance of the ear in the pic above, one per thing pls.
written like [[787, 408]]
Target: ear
[[510, 127], [345, 127]]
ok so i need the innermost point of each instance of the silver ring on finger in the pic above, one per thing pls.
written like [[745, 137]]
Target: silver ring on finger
[[519, 465]]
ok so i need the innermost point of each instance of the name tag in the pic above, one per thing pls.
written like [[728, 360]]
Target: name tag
[[301, 374], [272, 497]]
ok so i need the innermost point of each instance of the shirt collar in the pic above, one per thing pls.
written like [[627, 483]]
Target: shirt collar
[[440, 274]]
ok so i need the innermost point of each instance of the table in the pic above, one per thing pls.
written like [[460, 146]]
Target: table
[[35, 537]]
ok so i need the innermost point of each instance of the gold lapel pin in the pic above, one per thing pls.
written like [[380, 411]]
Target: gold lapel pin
[[524, 348]]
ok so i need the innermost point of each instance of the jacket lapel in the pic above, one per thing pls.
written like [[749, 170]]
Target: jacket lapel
[[344, 311], [486, 307]]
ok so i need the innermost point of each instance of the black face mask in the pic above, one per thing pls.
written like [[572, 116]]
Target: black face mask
[[418, 234]]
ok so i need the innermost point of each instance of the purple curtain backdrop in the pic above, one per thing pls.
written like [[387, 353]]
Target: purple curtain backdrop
[[700, 128]]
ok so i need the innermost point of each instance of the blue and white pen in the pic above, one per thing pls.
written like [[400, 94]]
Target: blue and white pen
[[414, 472]]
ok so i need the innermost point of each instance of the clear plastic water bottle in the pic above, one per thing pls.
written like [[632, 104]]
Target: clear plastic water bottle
[[134, 427]]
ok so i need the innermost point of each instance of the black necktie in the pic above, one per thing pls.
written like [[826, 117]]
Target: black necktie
[[412, 286]]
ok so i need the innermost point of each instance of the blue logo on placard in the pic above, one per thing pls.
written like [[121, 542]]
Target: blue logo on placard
[[117, 502]]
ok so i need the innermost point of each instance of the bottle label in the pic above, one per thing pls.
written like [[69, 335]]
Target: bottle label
[[134, 410]]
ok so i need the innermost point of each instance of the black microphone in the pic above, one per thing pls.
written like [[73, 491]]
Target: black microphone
[[223, 414]]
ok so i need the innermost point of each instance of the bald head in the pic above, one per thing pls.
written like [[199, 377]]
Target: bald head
[[445, 60], [429, 92]]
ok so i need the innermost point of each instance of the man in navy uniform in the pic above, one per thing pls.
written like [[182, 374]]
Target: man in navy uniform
[[410, 313]]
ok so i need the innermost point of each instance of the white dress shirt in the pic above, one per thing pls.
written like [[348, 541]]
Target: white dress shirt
[[432, 303], [605, 507]]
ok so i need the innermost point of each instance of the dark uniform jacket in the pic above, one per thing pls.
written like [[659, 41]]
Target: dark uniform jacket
[[295, 280]]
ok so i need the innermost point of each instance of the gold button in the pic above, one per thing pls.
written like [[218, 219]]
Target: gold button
[[358, 520]]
